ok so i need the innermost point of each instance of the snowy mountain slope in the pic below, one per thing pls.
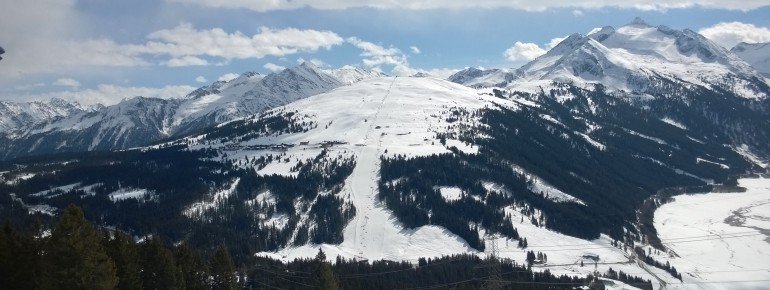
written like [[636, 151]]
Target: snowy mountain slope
[[141, 121], [417, 118], [479, 78], [634, 57], [351, 74], [18, 116], [755, 54], [362, 171], [131, 123], [250, 94]]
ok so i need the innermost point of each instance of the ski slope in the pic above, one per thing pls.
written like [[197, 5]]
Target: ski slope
[[719, 237], [389, 116]]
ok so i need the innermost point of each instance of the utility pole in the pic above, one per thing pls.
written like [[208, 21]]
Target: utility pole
[[490, 268]]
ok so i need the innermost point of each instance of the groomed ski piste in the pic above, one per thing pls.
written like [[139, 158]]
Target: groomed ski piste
[[719, 240]]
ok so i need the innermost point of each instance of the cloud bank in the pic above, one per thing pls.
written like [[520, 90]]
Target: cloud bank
[[527, 5]]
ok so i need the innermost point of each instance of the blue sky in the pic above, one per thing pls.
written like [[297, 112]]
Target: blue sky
[[103, 51]]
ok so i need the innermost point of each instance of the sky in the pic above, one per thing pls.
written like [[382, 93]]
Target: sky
[[102, 51]]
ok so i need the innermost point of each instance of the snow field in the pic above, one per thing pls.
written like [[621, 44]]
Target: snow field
[[719, 237]]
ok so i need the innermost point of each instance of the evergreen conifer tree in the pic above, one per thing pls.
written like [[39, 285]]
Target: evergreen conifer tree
[[76, 255], [324, 276], [223, 270], [159, 270], [191, 265], [125, 253]]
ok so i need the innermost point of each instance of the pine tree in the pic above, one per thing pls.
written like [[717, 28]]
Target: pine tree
[[159, 270], [76, 255], [125, 253], [191, 265], [223, 270], [324, 276], [21, 266]]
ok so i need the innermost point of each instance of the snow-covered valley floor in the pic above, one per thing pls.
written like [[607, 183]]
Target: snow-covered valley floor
[[719, 237]]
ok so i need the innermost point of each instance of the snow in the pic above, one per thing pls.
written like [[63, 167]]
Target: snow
[[744, 151], [462, 146], [674, 123], [401, 116], [63, 188], [593, 142], [450, 193], [622, 59], [699, 160], [544, 188], [756, 54], [656, 140], [20, 177], [719, 236], [198, 208], [349, 74], [126, 193]]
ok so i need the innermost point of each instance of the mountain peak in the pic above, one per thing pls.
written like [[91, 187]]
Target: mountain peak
[[638, 22]]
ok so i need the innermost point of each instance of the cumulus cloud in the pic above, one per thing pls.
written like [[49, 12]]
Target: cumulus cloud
[[728, 34], [227, 77], [375, 55], [67, 82], [185, 40], [110, 94], [526, 51], [273, 67], [186, 60], [523, 51], [415, 49], [527, 5], [58, 45], [200, 79]]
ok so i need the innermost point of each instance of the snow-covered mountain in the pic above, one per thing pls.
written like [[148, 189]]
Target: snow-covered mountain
[[133, 122], [141, 121], [480, 78], [250, 94], [399, 168], [636, 58], [756, 54], [352, 74], [16, 116]]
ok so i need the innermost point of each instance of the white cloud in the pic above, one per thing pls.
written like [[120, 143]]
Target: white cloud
[[110, 94], [227, 77], [200, 79], [415, 49], [186, 60], [523, 51], [185, 40], [67, 82], [376, 55], [577, 12], [273, 67], [526, 51], [527, 5], [58, 46], [728, 34]]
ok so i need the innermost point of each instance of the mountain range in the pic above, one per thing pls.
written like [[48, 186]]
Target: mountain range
[[565, 150]]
